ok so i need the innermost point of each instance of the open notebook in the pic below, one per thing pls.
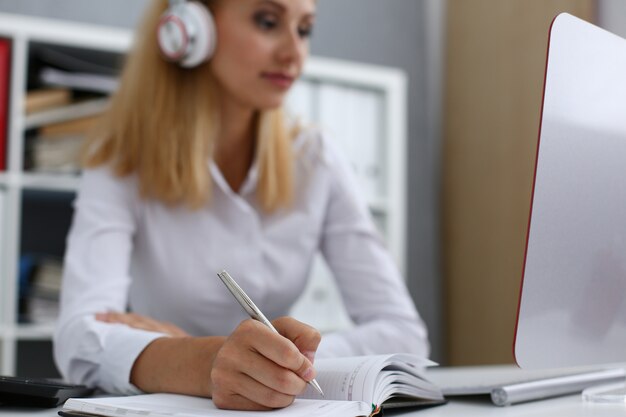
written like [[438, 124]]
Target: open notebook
[[355, 386]]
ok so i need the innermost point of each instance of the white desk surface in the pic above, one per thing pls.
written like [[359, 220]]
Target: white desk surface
[[568, 406]]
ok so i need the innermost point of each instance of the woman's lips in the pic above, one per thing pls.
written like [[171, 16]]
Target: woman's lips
[[278, 79]]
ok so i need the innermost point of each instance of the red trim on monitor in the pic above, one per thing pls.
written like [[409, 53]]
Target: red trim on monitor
[[530, 214], [5, 87]]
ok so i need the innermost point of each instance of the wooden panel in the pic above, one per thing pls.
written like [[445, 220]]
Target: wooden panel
[[495, 59]]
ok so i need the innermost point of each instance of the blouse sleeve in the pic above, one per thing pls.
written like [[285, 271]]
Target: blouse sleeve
[[96, 279], [371, 286]]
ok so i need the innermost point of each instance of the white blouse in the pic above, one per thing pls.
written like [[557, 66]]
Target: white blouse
[[125, 252]]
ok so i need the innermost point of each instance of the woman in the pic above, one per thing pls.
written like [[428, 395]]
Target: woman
[[194, 171]]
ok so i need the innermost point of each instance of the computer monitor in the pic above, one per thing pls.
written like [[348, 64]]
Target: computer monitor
[[572, 308]]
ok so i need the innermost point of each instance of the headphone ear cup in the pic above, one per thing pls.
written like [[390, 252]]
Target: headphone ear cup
[[186, 34], [204, 37]]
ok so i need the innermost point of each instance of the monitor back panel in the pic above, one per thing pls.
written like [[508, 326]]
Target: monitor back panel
[[572, 307]]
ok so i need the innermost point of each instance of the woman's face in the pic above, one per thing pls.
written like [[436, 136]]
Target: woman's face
[[261, 48]]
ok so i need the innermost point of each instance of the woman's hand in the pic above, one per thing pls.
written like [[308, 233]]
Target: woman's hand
[[252, 369], [257, 369], [138, 321]]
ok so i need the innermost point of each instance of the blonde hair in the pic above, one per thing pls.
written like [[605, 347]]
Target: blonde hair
[[162, 125]]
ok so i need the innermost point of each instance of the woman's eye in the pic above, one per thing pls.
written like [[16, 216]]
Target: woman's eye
[[305, 32], [265, 21]]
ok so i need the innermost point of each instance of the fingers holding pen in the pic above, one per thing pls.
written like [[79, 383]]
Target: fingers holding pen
[[284, 353], [305, 337], [264, 387], [258, 365], [252, 395], [272, 357], [287, 349]]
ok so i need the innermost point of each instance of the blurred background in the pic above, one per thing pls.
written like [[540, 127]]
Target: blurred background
[[475, 76]]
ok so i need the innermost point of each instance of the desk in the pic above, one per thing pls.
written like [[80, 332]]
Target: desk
[[570, 406]]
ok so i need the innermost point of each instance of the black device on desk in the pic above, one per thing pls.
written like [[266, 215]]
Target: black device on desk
[[38, 392]]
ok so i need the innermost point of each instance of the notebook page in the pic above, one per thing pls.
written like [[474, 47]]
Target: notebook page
[[402, 376], [362, 378], [347, 379], [172, 405]]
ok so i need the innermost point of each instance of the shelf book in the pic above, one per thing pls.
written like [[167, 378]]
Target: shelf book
[[5, 85], [46, 98], [57, 134], [353, 387]]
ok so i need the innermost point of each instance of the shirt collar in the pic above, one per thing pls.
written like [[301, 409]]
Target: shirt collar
[[248, 186]]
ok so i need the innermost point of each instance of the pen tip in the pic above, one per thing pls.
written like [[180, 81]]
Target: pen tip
[[317, 387]]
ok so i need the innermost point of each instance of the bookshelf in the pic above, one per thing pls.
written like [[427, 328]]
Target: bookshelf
[[362, 106]]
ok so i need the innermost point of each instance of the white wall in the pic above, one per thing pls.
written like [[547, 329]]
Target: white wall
[[122, 13]]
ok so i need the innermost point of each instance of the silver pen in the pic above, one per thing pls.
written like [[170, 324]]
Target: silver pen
[[254, 312]]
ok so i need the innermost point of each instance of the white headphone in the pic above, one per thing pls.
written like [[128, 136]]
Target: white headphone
[[186, 33]]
